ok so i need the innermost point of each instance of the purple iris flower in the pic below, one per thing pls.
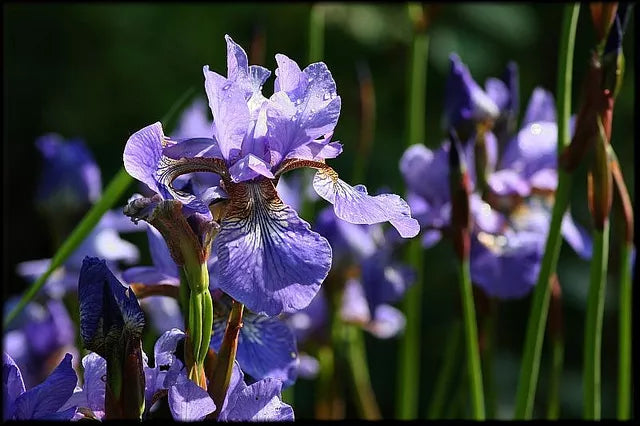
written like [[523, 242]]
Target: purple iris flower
[[38, 339], [511, 219], [266, 345], [269, 259], [188, 402], [42, 402], [70, 178]]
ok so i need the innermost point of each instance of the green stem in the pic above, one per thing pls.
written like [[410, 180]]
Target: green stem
[[624, 337], [408, 383], [316, 33], [447, 370], [489, 331], [557, 358], [530, 367], [221, 378], [593, 327], [328, 401], [471, 337], [359, 373]]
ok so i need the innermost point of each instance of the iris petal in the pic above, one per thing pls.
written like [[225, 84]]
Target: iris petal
[[354, 205], [268, 257], [44, 400], [266, 346]]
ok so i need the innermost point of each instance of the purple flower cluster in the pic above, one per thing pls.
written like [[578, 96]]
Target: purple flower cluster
[[513, 186]]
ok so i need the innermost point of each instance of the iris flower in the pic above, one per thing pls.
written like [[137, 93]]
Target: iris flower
[[269, 259], [511, 215]]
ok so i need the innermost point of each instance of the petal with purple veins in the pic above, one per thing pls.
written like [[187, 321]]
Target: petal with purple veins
[[12, 385], [268, 257], [188, 402], [353, 204]]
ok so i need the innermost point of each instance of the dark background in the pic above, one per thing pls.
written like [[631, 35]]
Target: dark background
[[102, 71]]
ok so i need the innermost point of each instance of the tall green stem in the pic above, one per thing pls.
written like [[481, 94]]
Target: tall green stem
[[593, 327], [624, 336], [408, 383], [471, 338], [316, 33], [447, 370], [557, 359], [489, 333], [530, 367], [365, 398]]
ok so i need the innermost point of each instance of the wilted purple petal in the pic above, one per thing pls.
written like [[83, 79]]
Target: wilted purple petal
[[353, 204], [44, 400], [268, 257]]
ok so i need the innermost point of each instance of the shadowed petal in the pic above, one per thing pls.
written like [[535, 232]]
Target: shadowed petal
[[188, 402], [258, 402], [266, 346], [92, 393], [506, 266], [268, 257], [44, 400], [12, 385], [353, 204]]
